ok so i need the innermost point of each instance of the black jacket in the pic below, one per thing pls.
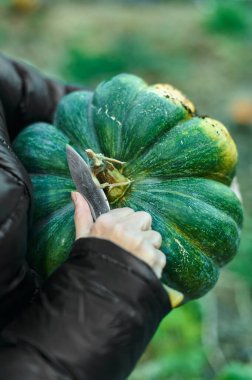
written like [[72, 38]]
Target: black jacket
[[95, 315]]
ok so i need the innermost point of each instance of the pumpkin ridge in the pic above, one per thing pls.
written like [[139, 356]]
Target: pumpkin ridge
[[51, 193], [124, 120], [203, 257], [36, 258], [147, 184], [196, 243], [207, 144], [210, 259], [72, 140], [40, 145], [119, 135], [194, 175], [151, 143], [71, 118], [189, 196], [42, 222], [124, 81]]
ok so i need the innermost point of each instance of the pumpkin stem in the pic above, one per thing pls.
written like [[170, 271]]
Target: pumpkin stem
[[109, 176], [111, 185], [115, 161]]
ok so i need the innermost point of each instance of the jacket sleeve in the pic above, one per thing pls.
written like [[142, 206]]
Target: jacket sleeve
[[97, 312], [92, 320], [25, 96]]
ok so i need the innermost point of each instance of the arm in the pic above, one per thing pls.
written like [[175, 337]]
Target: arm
[[22, 92], [92, 321], [97, 313]]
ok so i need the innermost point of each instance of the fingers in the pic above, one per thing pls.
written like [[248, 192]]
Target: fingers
[[82, 217], [121, 212], [125, 227], [155, 258], [153, 237], [160, 263], [127, 218], [139, 220]]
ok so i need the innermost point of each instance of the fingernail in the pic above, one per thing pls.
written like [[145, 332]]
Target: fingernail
[[74, 196]]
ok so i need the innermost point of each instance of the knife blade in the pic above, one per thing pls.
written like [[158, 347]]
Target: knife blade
[[82, 177]]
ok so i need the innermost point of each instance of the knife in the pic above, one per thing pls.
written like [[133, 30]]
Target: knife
[[83, 180], [97, 201]]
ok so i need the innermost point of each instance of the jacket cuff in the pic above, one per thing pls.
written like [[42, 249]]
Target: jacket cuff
[[96, 314], [27, 95], [126, 261]]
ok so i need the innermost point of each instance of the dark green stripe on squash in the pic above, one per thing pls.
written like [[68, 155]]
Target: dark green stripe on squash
[[41, 147], [50, 194], [198, 147], [51, 240]]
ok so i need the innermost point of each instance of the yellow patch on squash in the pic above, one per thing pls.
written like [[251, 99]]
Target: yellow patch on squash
[[219, 133]]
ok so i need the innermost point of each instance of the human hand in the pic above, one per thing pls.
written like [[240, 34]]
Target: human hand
[[129, 229]]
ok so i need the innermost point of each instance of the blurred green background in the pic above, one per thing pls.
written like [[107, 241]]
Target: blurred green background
[[205, 49]]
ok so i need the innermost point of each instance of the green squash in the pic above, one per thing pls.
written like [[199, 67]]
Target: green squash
[[173, 164]]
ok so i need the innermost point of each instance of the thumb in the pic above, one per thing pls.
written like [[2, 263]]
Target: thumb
[[82, 217]]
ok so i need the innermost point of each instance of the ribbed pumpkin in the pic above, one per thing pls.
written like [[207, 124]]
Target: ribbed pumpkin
[[174, 164]]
